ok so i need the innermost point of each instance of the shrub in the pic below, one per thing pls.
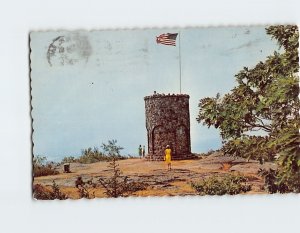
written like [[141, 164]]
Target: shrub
[[42, 193], [69, 159], [229, 184], [84, 188], [117, 185], [94, 155], [91, 156], [276, 181], [43, 168]]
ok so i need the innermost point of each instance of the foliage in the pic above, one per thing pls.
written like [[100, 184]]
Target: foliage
[[117, 185], [265, 97], [69, 159], [41, 193], [114, 186], [255, 147], [265, 100], [84, 188], [291, 183], [94, 155], [43, 168], [111, 149], [288, 142], [229, 184], [91, 156]]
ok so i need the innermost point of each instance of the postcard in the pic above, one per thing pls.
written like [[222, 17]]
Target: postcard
[[165, 112]]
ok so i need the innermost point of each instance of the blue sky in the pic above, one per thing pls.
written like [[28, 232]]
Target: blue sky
[[97, 93]]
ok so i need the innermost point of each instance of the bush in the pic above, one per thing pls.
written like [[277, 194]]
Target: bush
[[276, 181], [84, 188], [42, 193], [69, 159], [229, 184], [117, 185], [43, 168], [91, 156]]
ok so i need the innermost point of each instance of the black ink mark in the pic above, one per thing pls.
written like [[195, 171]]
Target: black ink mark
[[52, 48], [68, 50]]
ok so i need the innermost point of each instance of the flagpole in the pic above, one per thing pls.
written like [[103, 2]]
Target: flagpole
[[179, 63]]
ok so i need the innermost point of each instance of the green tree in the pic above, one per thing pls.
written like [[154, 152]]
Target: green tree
[[265, 99], [112, 149], [117, 185]]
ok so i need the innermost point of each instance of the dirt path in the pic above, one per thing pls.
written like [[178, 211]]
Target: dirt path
[[160, 181]]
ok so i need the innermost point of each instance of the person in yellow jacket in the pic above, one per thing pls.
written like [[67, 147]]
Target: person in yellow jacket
[[168, 157]]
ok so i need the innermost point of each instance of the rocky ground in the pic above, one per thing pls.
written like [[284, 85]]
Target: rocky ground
[[160, 182]]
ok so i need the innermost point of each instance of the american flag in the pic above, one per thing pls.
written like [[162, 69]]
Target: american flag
[[167, 39]]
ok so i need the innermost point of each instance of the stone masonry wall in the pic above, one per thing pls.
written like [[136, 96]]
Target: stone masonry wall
[[168, 123]]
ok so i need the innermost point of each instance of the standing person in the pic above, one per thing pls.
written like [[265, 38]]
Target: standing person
[[168, 157], [144, 151], [140, 151]]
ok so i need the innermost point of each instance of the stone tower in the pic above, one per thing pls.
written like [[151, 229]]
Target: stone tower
[[168, 123]]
